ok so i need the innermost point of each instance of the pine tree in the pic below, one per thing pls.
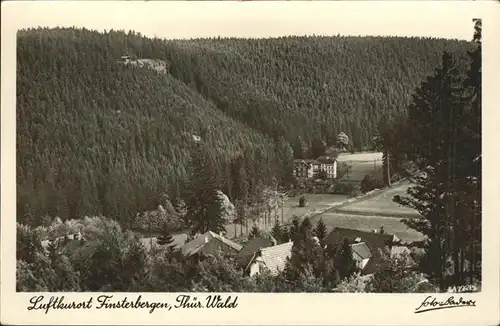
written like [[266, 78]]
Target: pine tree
[[307, 255], [320, 231], [240, 182], [254, 232], [344, 261], [166, 238], [299, 150], [285, 169], [294, 228], [204, 203], [277, 233], [437, 115], [471, 150], [318, 147]]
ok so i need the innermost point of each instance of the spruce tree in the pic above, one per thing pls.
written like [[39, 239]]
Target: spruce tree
[[294, 228], [299, 149], [320, 231], [344, 261], [307, 255], [204, 203], [440, 148], [254, 232], [166, 238], [471, 152], [277, 232], [318, 147]]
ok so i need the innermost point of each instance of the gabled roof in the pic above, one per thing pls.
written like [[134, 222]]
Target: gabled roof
[[361, 251], [275, 257], [400, 250], [197, 244], [251, 247], [374, 241]]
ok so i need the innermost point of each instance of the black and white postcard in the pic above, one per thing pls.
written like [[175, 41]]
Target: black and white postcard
[[250, 163]]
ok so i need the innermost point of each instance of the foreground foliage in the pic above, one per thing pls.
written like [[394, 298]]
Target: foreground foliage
[[115, 260]]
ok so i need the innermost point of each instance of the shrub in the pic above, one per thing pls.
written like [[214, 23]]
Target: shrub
[[370, 183], [344, 189]]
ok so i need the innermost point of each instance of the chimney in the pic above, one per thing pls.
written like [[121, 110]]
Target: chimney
[[357, 240]]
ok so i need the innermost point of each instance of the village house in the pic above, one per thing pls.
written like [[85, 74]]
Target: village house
[[246, 253], [61, 239], [272, 258], [369, 249], [208, 244]]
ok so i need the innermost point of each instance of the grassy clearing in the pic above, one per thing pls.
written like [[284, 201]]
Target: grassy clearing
[[360, 165], [367, 223], [381, 204], [315, 202]]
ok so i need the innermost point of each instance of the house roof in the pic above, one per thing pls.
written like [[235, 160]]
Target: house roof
[[78, 250], [374, 241], [377, 243], [361, 251], [275, 257], [400, 250], [199, 243], [251, 247]]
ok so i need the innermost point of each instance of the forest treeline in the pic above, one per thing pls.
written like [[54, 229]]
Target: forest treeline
[[95, 137]]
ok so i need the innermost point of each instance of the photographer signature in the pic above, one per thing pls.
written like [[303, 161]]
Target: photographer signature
[[431, 303]]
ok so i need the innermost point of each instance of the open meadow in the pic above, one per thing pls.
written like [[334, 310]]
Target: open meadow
[[315, 202], [381, 204], [391, 225], [360, 165]]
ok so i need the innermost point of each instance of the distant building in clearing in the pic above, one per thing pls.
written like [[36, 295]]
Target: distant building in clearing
[[60, 240], [308, 168]]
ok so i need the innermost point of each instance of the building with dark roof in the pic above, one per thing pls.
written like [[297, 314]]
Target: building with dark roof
[[370, 249], [251, 247], [272, 259], [209, 243]]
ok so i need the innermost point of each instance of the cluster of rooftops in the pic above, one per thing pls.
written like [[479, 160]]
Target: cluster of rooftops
[[263, 253], [368, 248]]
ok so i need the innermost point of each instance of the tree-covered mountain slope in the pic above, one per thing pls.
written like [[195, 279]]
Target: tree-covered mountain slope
[[98, 137]]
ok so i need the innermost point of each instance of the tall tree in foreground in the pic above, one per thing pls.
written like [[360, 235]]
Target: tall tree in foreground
[[204, 203], [446, 147], [471, 148], [433, 105]]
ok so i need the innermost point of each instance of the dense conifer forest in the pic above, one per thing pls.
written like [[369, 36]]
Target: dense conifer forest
[[95, 137]]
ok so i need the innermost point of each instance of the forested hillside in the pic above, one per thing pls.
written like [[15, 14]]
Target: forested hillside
[[96, 137]]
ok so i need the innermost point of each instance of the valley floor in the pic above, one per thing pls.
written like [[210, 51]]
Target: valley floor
[[366, 213]]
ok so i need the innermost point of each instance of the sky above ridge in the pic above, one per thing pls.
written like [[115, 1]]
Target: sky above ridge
[[188, 19]]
